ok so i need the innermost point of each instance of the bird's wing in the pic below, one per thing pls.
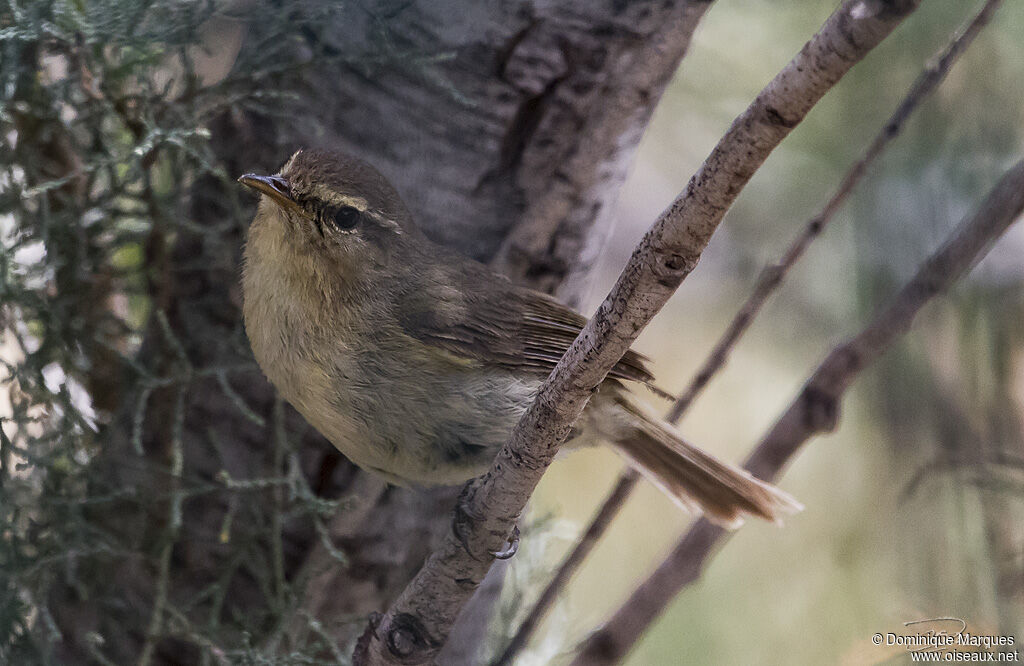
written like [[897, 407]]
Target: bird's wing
[[521, 330]]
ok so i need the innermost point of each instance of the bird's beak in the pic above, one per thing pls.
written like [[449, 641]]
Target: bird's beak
[[275, 187]]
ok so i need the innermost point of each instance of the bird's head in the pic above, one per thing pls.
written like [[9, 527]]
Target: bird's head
[[331, 207]]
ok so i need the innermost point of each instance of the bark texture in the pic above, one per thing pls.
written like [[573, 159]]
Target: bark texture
[[419, 622], [506, 126]]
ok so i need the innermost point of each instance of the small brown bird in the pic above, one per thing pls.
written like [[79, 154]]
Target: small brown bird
[[416, 362]]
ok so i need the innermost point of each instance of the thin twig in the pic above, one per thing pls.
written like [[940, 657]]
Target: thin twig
[[815, 410], [156, 619], [419, 621], [770, 280]]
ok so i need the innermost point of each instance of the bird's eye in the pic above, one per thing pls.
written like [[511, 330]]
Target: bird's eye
[[345, 218]]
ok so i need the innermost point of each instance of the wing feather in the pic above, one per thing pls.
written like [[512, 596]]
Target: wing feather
[[526, 331]]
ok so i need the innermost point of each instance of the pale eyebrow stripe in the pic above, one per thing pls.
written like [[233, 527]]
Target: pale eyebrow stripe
[[332, 198], [383, 220], [358, 203]]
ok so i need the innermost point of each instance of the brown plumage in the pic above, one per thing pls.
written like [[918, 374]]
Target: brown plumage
[[524, 331], [417, 362]]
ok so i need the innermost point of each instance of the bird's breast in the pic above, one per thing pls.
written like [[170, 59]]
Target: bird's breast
[[389, 402]]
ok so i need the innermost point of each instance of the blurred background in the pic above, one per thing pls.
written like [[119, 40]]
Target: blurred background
[[914, 507], [903, 519]]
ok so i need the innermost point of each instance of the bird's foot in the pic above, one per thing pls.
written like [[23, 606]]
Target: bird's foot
[[512, 547]]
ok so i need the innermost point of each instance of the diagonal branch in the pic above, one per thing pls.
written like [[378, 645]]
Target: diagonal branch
[[815, 410], [418, 623], [768, 283]]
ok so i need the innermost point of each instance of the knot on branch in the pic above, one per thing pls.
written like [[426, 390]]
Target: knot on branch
[[671, 267], [771, 276], [601, 648], [821, 409], [408, 641], [774, 117]]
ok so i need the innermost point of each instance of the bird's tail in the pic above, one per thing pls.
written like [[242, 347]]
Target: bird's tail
[[695, 479]]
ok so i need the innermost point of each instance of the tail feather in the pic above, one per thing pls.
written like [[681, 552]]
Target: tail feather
[[696, 479]]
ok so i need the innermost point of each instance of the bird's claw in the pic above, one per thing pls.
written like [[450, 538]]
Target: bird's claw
[[513, 545], [462, 521]]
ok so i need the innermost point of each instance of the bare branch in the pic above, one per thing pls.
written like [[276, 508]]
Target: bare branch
[[815, 410], [418, 623], [770, 280]]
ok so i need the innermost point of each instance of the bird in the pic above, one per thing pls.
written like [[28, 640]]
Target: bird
[[416, 362]]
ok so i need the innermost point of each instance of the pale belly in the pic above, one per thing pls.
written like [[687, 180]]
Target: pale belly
[[441, 428]]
